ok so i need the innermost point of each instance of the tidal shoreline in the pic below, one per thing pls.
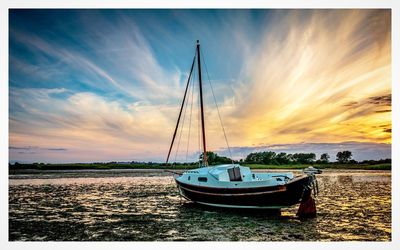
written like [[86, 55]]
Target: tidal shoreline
[[97, 173]]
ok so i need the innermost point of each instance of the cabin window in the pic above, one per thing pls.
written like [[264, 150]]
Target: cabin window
[[234, 174], [202, 179], [188, 178]]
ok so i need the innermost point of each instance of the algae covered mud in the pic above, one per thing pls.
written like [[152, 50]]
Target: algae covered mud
[[145, 206]]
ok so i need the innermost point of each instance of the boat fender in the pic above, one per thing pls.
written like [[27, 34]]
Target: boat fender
[[307, 208]]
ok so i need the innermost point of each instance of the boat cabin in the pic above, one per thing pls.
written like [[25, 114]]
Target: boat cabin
[[232, 175]]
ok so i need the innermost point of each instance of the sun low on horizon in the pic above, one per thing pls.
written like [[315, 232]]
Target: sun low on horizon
[[107, 85]]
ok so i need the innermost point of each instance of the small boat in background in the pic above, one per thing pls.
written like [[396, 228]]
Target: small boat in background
[[235, 186], [312, 170]]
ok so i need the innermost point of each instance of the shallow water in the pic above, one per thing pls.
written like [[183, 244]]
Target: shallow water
[[351, 205]]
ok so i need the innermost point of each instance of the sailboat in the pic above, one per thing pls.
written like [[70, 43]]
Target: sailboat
[[233, 185]]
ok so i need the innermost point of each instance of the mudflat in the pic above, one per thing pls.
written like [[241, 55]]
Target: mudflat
[[116, 205]]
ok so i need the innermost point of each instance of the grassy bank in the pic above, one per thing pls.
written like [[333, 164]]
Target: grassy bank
[[383, 166], [76, 166]]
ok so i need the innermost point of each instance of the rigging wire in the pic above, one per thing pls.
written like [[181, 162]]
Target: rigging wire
[[190, 119], [180, 111], [184, 115], [181, 129], [215, 101]]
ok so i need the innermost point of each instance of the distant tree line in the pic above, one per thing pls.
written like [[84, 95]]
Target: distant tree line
[[272, 158]]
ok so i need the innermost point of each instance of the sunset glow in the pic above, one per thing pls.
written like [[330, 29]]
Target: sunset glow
[[106, 85]]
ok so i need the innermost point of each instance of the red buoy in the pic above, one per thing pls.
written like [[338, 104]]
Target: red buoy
[[307, 208]]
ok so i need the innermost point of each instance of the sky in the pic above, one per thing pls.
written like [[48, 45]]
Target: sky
[[106, 85]]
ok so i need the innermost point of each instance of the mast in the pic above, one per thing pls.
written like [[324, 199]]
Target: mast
[[201, 106]]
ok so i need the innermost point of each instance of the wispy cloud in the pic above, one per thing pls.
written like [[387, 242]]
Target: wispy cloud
[[29, 152], [116, 58], [309, 66], [33, 148], [85, 121]]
